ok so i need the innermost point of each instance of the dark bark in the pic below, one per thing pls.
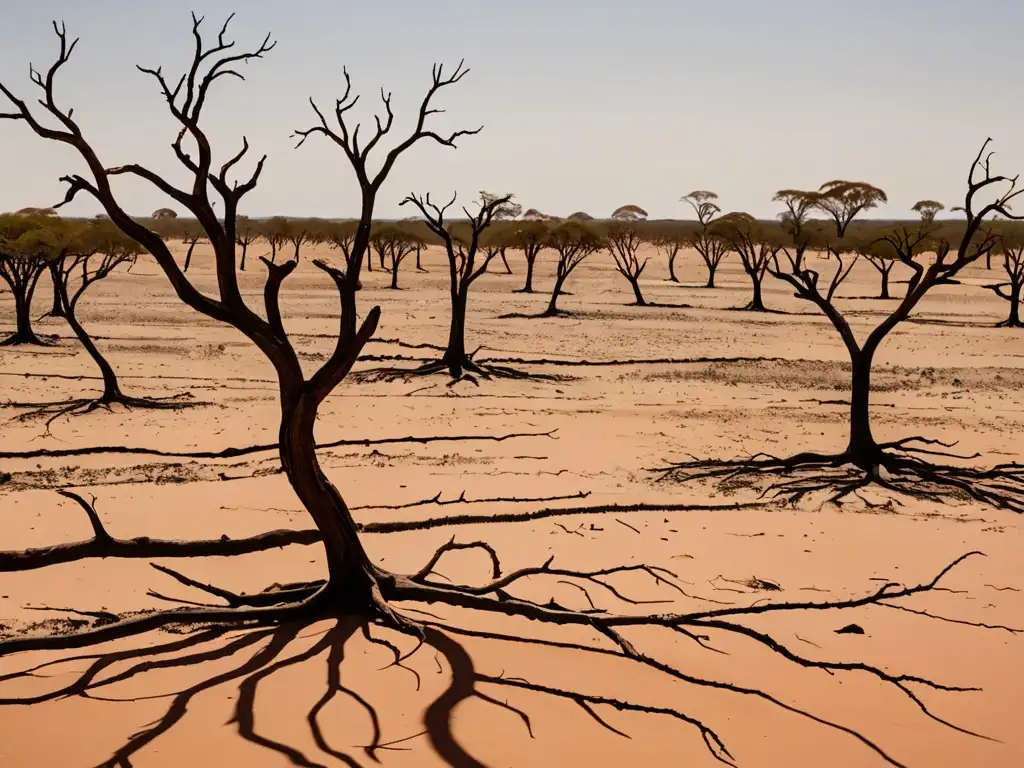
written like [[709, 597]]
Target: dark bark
[[394, 275], [552, 309], [862, 448], [23, 290], [188, 256], [756, 303], [1014, 318], [635, 284], [504, 260], [672, 267], [348, 566], [111, 390], [885, 282], [245, 249], [712, 268], [58, 306], [531, 258], [419, 267], [455, 353]]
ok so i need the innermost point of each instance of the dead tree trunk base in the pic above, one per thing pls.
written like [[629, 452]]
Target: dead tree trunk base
[[901, 467]]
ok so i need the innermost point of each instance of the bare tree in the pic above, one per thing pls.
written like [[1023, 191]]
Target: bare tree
[[904, 465], [705, 242], [623, 241], [755, 243], [573, 242], [90, 253], [28, 246], [498, 238], [464, 269], [1011, 247], [356, 589], [883, 252]]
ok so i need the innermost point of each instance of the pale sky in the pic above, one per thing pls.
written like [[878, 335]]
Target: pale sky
[[585, 105]]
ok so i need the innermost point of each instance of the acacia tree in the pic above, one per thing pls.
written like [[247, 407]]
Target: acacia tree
[[463, 269], [247, 232], [901, 465], [756, 244], [498, 239], [28, 246], [393, 244], [670, 239], [573, 242], [530, 238], [1011, 247], [704, 241], [623, 241], [354, 586]]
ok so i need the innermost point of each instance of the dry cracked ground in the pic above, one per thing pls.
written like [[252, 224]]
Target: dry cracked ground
[[729, 383]]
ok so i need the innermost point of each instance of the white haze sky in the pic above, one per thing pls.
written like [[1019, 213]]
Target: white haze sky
[[585, 105]]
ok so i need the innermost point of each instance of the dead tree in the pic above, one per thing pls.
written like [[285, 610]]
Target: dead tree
[[355, 589], [1011, 247], [573, 242], [341, 236], [529, 237], [246, 233], [91, 253], [28, 246], [464, 268], [623, 241], [904, 466], [756, 244], [704, 241]]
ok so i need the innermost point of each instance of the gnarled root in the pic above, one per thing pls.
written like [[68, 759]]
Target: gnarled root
[[902, 467]]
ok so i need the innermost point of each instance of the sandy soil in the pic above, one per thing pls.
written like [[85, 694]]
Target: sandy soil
[[745, 382]]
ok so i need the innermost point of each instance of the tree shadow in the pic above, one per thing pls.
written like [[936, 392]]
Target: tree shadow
[[255, 654]]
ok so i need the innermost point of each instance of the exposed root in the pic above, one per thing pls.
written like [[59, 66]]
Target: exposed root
[[104, 545], [461, 499], [83, 406], [895, 466], [232, 453], [468, 370], [391, 591]]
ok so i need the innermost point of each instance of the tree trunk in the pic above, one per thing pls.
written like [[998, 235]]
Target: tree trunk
[[552, 309], [188, 257], [1014, 319], [111, 389], [757, 303], [885, 284], [394, 276], [712, 268], [23, 331], [349, 569], [504, 260], [419, 267], [245, 247], [455, 353], [528, 287], [369, 260], [635, 283], [672, 268], [862, 449], [58, 304]]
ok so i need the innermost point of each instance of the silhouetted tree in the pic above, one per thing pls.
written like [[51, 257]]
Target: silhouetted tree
[[497, 241], [247, 232], [463, 268], [884, 251], [903, 465], [90, 253], [393, 244], [755, 243], [1011, 247], [670, 238], [356, 591], [28, 246], [274, 232], [705, 242], [843, 201], [573, 242], [623, 241], [529, 237]]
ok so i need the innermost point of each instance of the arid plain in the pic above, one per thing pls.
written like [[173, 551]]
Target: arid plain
[[664, 383]]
